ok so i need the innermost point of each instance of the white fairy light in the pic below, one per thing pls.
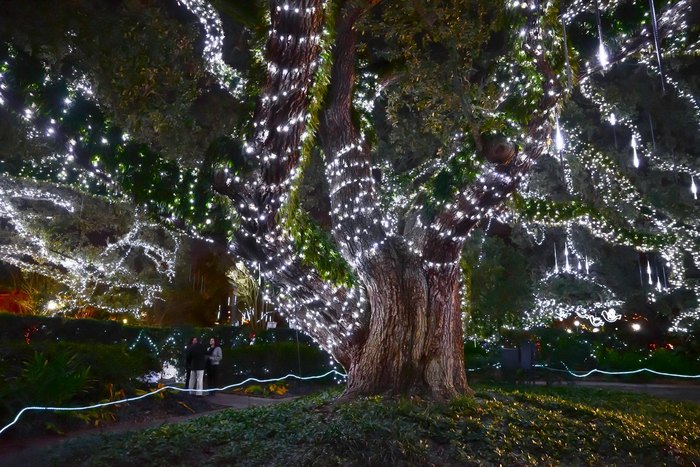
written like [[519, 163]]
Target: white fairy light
[[559, 138], [603, 58], [163, 389], [635, 157], [229, 78], [693, 187]]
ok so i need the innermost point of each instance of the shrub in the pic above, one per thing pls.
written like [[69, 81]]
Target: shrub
[[57, 373], [279, 389], [44, 380], [660, 360], [273, 360]]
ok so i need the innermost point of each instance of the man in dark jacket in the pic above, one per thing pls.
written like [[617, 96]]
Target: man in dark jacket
[[197, 362]]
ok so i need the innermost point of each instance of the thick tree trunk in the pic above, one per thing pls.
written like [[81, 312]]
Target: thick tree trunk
[[413, 341], [410, 339]]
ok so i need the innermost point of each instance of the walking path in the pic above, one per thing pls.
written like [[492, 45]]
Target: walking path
[[679, 392], [22, 452], [235, 401]]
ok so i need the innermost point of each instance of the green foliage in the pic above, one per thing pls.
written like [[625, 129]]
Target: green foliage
[[158, 182], [504, 426], [435, 50], [186, 300], [247, 12], [250, 297], [499, 286], [662, 360], [266, 390], [144, 66], [477, 357], [50, 379], [459, 172], [53, 380], [115, 364], [557, 213], [316, 247], [80, 362], [38, 289], [313, 244], [118, 354], [558, 348], [565, 288], [58, 372], [263, 360]]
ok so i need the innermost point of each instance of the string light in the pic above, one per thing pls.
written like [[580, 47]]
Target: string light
[[559, 138], [166, 388], [635, 158], [603, 58], [624, 373], [680, 240], [229, 78], [30, 250]]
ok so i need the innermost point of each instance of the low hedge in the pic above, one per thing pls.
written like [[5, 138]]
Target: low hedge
[[22, 327], [267, 360]]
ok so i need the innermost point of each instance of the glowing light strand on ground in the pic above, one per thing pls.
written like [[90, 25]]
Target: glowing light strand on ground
[[622, 373], [162, 389], [301, 378]]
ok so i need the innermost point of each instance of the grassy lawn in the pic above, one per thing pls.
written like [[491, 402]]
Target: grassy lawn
[[502, 425]]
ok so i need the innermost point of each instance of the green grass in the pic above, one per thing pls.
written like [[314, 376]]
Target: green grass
[[569, 426]]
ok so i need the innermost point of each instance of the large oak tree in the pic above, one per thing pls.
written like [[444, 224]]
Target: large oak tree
[[472, 90]]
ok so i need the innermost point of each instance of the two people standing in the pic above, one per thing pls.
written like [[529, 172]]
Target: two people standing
[[197, 360]]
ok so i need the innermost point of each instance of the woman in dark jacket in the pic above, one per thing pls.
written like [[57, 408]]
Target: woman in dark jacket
[[197, 359], [187, 361], [214, 356]]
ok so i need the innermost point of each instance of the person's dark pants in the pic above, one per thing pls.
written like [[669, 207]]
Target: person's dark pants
[[212, 377], [187, 377]]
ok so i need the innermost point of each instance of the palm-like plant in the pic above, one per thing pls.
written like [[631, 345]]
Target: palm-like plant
[[250, 297]]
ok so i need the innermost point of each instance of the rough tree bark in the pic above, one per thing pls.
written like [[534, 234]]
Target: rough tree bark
[[412, 340]]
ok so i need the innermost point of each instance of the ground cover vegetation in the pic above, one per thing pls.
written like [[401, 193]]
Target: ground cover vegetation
[[500, 425]]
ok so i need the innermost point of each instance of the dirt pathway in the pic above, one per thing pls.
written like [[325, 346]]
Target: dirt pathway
[[22, 452]]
